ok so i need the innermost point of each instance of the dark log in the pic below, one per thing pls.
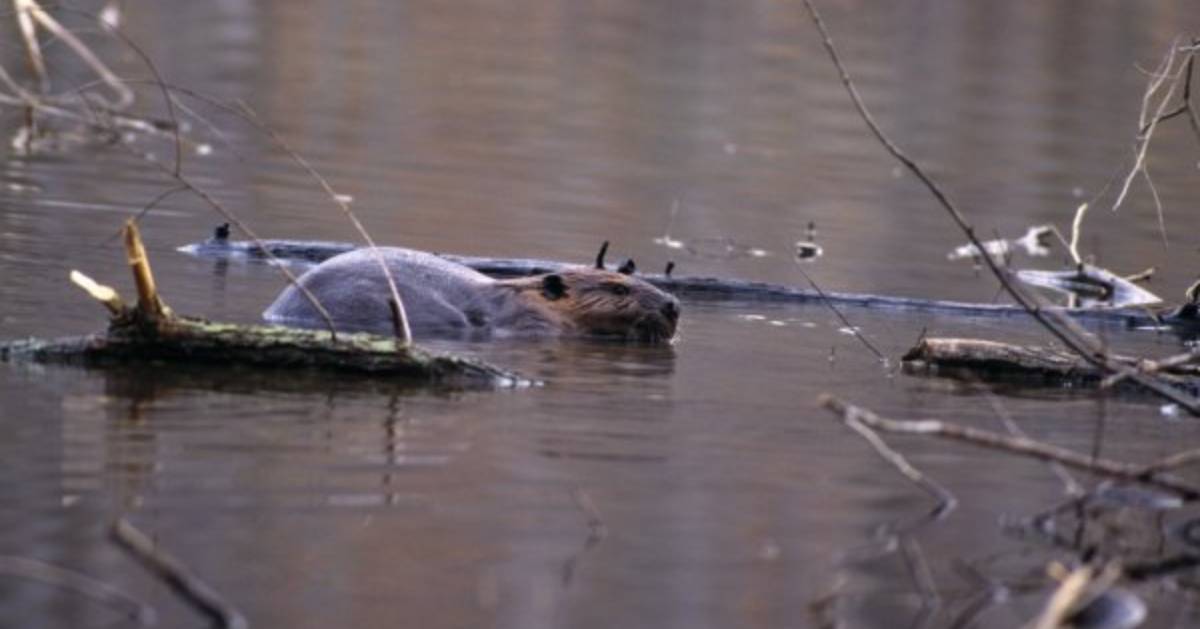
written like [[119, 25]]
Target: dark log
[[993, 359], [196, 341]]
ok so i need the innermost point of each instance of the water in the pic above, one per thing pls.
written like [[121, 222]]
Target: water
[[726, 497]]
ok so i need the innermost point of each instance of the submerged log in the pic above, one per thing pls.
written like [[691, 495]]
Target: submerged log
[[188, 340], [1183, 321], [986, 360], [150, 332]]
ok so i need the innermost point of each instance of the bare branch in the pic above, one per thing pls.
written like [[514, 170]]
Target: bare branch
[[175, 574], [1068, 332], [1015, 445]]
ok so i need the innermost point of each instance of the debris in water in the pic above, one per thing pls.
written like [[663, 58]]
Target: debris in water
[[110, 15], [666, 240], [1092, 286], [808, 249], [723, 248], [1035, 243]]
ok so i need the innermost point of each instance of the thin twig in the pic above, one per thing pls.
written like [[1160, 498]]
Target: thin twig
[[845, 322], [852, 418], [126, 94], [177, 576], [401, 314], [245, 229], [595, 520], [597, 532], [1142, 145], [162, 196], [1015, 445], [247, 114], [38, 15], [1072, 486], [922, 577], [177, 174], [99, 591]]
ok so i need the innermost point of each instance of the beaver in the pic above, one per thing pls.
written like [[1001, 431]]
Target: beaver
[[446, 299]]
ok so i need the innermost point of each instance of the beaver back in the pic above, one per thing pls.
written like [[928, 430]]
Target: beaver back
[[440, 297]]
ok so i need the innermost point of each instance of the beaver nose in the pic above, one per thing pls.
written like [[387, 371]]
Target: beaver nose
[[670, 310]]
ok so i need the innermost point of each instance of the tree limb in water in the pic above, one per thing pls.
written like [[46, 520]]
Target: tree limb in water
[[1014, 445], [1070, 334]]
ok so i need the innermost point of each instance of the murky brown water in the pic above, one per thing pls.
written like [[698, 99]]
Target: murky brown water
[[539, 129]]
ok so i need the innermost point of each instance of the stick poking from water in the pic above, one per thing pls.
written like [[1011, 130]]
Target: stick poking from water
[[177, 576], [1109, 468]]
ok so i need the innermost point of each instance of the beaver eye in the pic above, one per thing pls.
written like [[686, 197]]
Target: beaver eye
[[619, 289]]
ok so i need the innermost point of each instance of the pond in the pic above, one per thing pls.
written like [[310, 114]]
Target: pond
[[695, 485]]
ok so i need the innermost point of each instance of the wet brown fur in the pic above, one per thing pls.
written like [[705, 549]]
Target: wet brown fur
[[597, 302], [448, 299]]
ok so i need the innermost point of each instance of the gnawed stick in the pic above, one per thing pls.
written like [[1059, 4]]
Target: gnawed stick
[[1015, 445], [101, 293], [1077, 589], [1065, 598], [179, 577], [33, 50], [150, 304]]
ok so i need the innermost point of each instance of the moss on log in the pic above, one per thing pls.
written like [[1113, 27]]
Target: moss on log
[[189, 340]]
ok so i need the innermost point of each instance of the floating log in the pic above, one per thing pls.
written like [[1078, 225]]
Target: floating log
[[1184, 321], [986, 360], [151, 332]]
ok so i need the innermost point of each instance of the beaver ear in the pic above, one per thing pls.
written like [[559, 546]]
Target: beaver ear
[[553, 286], [628, 267]]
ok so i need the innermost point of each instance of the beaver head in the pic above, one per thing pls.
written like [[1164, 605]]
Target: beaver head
[[596, 302]]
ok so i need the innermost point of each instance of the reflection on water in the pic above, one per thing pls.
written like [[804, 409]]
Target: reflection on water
[[690, 486]]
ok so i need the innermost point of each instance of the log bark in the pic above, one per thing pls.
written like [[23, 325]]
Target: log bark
[[196, 341], [984, 359]]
